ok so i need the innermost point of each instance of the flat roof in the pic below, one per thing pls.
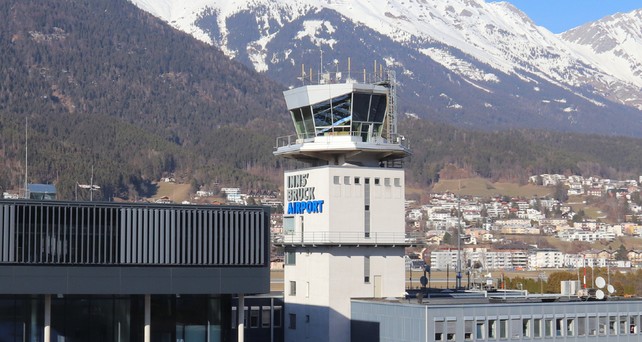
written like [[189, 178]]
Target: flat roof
[[491, 298], [42, 188]]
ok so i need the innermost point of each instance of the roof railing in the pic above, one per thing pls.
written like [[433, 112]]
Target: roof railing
[[351, 238]]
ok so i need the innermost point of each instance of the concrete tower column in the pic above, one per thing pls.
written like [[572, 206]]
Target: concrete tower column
[[148, 319], [240, 311], [47, 332]]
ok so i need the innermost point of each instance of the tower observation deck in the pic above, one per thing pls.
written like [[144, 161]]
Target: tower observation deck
[[344, 123]]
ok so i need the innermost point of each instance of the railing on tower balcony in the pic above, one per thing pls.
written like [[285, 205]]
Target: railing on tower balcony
[[293, 139], [351, 238]]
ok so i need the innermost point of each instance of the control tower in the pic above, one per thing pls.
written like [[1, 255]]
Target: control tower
[[344, 229]]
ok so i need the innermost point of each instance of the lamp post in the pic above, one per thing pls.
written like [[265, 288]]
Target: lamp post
[[541, 277], [91, 186], [448, 276], [458, 281]]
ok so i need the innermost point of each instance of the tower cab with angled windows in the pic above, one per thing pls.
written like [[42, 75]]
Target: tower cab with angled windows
[[344, 231]]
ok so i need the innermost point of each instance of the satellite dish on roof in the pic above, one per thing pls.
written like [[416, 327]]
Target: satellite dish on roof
[[600, 282], [599, 294], [610, 288]]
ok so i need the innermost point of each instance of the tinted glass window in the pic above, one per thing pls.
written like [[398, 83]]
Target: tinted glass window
[[377, 108], [360, 107], [298, 121], [322, 114], [308, 122], [341, 110]]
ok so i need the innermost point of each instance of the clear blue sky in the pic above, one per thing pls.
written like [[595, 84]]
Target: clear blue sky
[[561, 15]]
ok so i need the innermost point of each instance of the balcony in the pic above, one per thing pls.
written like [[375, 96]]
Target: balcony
[[285, 142], [358, 238]]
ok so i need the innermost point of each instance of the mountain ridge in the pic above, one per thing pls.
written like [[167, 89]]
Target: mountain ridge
[[110, 67], [494, 50], [105, 86]]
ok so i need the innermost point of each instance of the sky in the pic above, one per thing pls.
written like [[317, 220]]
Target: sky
[[561, 15]]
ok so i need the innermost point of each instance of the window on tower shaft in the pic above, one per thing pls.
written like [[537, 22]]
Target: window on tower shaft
[[292, 323], [366, 269], [290, 258], [292, 288]]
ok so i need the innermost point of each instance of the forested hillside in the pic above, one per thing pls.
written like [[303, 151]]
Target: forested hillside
[[105, 84], [514, 155], [102, 84]]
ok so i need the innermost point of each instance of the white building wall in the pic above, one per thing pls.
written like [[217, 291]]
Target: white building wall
[[343, 208], [329, 268]]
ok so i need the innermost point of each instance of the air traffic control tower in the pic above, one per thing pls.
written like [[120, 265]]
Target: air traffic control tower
[[344, 230]]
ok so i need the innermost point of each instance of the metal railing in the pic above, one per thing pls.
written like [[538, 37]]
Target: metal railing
[[334, 75], [293, 139], [351, 238]]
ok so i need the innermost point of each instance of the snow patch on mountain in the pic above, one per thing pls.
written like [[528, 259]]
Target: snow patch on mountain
[[311, 29], [460, 66]]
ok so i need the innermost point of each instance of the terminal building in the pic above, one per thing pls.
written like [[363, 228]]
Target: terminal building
[[89, 271], [493, 317]]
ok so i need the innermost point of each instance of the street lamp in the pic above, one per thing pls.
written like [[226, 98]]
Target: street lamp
[[91, 186], [458, 281], [542, 276]]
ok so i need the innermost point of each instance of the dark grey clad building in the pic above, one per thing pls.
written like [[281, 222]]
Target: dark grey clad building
[[88, 271]]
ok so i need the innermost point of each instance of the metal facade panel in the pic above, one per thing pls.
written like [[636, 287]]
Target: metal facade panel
[[93, 246], [245, 237], [145, 240], [189, 227], [59, 246], [124, 240], [11, 215], [264, 221], [161, 236], [4, 243], [249, 238], [215, 230], [183, 237], [198, 238], [156, 240], [225, 241], [236, 249], [208, 247], [96, 234], [172, 237], [138, 255], [4, 239]]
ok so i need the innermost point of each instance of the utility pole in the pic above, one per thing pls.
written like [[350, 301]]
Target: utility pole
[[458, 282], [91, 183], [26, 161]]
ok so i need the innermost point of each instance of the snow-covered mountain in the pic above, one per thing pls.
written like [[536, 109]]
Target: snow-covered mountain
[[615, 45], [468, 62]]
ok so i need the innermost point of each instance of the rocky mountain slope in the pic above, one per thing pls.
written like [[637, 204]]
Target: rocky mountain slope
[[467, 62], [615, 44]]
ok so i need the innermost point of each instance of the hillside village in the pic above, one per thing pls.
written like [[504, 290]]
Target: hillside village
[[494, 230], [500, 233], [504, 233]]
